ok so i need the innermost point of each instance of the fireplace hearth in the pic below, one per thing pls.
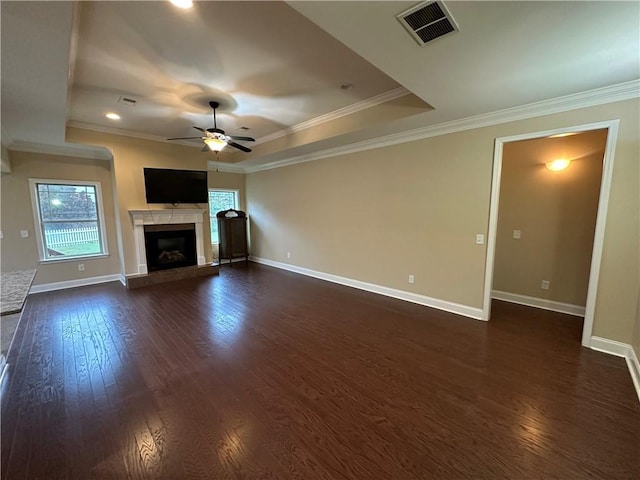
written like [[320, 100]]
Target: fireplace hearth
[[170, 246]]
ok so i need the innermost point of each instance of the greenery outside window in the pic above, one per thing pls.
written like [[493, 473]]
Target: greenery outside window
[[69, 219], [220, 199]]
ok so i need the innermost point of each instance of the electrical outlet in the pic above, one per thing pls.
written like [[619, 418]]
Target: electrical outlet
[[412, 279], [24, 233], [81, 267], [479, 239], [288, 254], [545, 285], [516, 234]]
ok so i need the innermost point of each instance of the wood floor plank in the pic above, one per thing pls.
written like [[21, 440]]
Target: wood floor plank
[[261, 373]]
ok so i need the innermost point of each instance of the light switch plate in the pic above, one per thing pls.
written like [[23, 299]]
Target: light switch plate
[[516, 234], [480, 239], [24, 233]]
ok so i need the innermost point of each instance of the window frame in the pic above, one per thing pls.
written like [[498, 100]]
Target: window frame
[[40, 239], [236, 193]]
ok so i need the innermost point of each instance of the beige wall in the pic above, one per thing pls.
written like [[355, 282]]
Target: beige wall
[[130, 156], [381, 215], [17, 214], [555, 213], [414, 208], [231, 181]]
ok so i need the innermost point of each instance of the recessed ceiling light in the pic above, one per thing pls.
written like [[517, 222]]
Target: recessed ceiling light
[[558, 165], [184, 4], [112, 116]]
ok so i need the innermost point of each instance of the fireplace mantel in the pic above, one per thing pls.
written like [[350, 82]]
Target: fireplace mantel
[[165, 217]]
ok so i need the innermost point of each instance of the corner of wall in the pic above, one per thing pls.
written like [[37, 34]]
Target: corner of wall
[[634, 349], [634, 368], [5, 160], [623, 350]]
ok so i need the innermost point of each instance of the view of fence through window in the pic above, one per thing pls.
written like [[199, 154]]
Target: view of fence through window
[[69, 217], [220, 200]]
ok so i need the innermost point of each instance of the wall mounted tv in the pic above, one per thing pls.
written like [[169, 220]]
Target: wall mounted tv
[[164, 185]]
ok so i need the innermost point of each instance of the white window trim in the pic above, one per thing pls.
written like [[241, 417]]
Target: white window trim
[[38, 221], [232, 190], [236, 207]]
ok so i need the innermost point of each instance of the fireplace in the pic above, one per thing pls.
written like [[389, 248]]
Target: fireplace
[[170, 246], [147, 223]]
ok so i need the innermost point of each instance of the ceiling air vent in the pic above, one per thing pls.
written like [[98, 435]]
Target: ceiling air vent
[[428, 21], [127, 101]]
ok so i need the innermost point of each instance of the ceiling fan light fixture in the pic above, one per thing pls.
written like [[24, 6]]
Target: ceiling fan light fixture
[[184, 4], [215, 144]]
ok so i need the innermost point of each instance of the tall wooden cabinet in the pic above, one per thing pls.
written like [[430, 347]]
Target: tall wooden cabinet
[[232, 233]]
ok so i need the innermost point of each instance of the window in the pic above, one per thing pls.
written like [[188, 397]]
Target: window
[[69, 219], [220, 200]]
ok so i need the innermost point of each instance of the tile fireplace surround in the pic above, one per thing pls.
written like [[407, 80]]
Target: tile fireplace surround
[[165, 217]]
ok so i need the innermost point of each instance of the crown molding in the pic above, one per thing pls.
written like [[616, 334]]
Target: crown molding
[[590, 98], [356, 107], [214, 166], [127, 133], [610, 94], [68, 150], [341, 112]]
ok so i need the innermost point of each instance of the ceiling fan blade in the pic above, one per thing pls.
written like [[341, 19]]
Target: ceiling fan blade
[[184, 138], [242, 139], [205, 148], [239, 147], [201, 129]]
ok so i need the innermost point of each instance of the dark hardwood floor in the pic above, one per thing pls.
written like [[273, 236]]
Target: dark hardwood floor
[[261, 373]]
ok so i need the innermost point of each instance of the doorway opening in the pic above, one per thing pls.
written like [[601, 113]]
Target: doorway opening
[[566, 293]]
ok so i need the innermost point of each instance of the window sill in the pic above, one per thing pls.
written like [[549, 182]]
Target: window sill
[[74, 259]]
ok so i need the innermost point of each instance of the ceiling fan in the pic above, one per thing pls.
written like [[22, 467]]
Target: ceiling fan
[[215, 139]]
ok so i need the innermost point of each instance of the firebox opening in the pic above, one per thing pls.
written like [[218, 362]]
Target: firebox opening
[[170, 246]]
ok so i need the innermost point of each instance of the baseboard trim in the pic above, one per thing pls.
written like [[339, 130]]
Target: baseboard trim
[[611, 347], [464, 310], [4, 370], [634, 369], [81, 282], [4, 366], [560, 307], [620, 349]]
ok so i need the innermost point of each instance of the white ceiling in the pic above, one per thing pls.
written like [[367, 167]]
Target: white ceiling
[[275, 65], [506, 53], [35, 62], [268, 66]]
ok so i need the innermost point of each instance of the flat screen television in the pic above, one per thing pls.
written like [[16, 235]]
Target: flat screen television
[[163, 185]]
